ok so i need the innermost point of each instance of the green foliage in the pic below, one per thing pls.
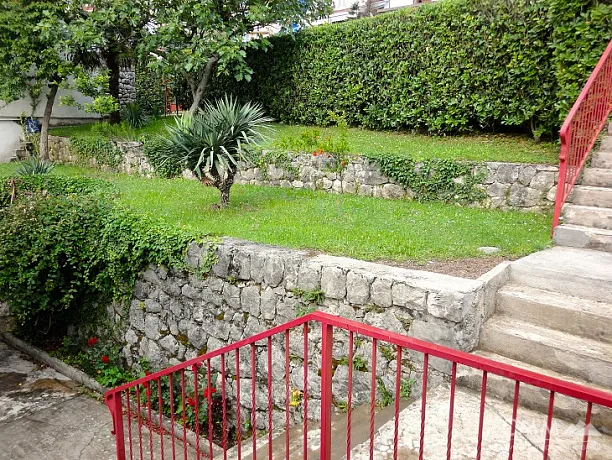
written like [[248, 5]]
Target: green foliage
[[386, 398], [447, 67], [34, 166], [406, 386], [281, 159], [134, 115], [77, 254], [212, 142], [149, 91], [434, 179], [100, 148], [359, 363], [153, 148]]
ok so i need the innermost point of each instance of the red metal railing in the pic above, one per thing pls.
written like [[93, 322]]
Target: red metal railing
[[582, 127], [160, 415]]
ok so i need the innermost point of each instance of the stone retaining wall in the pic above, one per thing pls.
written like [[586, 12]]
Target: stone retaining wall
[[175, 316], [507, 185], [133, 160], [530, 187]]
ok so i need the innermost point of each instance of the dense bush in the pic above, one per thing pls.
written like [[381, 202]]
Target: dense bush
[[446, 67], [62, 257], [149, 91]]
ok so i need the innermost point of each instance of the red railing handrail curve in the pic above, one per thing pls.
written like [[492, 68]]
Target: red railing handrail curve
[[565, 184], [574, 390]]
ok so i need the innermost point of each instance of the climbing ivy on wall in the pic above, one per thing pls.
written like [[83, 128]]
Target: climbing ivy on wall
[[102, 149], [447, 67]]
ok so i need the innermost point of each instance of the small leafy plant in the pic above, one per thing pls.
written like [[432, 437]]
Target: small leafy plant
[[34, 166]]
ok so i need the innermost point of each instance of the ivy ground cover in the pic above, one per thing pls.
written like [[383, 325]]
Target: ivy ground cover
[[480, 147], [361, 227]]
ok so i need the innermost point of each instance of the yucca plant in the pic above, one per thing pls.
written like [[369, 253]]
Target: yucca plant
[[213, 141], [33, 166]]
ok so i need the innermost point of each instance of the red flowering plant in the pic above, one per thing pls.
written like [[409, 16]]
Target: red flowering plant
[[97, 357]]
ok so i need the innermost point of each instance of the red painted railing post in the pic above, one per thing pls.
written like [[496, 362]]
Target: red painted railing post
[[327, 331], [113, 402], [560, 198]]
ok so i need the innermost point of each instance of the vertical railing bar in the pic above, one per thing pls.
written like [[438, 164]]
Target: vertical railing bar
[[269, 398], [139, 421], [160, 403], [515, 404], [305, 398], [483, 397], [172, 421], [224, 407], [373, 397], [149, 418], [129, 421], [587, 427], [451, 411], [551, 407], [209, 403], [238, 419], [184, 412], [287, 394], [423, 405], [197, 408], [327, 342], [117, 412], [398, 385], [349, 397], [253, 403]]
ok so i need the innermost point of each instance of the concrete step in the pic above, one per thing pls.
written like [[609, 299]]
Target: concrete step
[[565, 437], [535, 398], [587, 216], [577, 272], [577, 236], [573, 315], [586, 359], [602, 159], [606, 142], [585, 195], [597, 177]]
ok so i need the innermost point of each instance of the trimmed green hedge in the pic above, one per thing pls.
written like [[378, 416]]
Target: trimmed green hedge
[[447, 67]]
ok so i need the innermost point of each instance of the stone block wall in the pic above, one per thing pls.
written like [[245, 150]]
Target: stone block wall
[[133, 160], [127, 86], [507, 185], [175, 316]]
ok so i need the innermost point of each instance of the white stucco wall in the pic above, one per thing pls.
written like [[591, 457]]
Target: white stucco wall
[[10, 131]]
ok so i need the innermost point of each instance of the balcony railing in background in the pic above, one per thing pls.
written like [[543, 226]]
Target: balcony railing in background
[[582, 127], [162, 416]]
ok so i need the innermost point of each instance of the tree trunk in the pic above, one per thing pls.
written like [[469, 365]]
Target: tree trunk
[[199, 91], [111, 58], [224, 187], [44, 131]]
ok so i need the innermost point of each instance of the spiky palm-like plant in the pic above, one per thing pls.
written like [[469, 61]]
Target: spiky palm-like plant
[[213, 141], [34, 166]]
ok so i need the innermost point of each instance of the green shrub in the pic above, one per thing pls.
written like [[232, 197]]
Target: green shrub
[[134, 115], [149, 91], [99, 147], [34, 166], [448, 67], [64, 258]]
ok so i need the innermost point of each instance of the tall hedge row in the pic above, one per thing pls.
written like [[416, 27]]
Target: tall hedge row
[[446, 67]]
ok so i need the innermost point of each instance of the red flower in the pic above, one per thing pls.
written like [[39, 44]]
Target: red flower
[[92, 341], [191, 402], [314, 154], [105, 359], [206, 392]]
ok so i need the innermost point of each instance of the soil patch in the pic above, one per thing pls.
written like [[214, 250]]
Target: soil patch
[[472, 267]]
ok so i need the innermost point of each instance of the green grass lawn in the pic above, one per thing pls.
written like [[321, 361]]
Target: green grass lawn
[[490, 147], [360, 227]]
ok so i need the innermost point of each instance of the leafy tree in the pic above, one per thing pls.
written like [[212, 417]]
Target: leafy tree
[[213, 141], [114, 28], [194, 38], [30, 62]]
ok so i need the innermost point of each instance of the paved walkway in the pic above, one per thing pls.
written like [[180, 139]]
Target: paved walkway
[[43, 415]]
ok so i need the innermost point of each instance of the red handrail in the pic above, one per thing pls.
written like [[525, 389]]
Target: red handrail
[[582, 127], [118, 399]]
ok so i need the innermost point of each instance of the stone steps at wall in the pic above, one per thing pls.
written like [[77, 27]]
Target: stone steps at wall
[[575, 272], [578, 236], [602, 159], [534, 398], [597, 177], [588, 216], [573, 315], [568, 354], [585, 195]]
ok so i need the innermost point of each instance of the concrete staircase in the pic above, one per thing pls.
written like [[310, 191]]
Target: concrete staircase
[[553, 317], [587, 217]]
